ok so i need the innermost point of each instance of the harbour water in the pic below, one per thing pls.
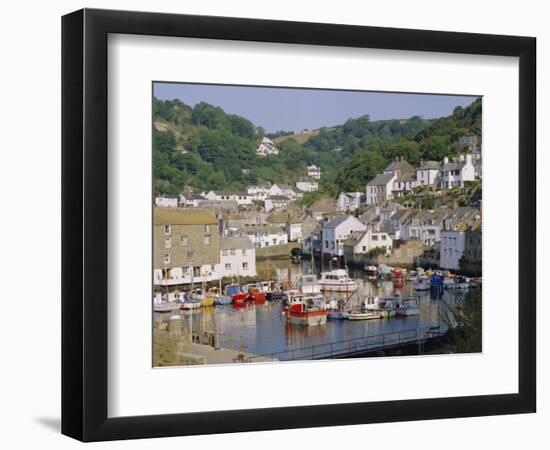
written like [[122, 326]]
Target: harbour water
[[263, 329]]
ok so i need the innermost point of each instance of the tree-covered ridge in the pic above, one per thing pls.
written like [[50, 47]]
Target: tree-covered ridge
[[206, 148]]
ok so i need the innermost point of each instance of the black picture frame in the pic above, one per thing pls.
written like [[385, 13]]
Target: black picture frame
[[84, 224]]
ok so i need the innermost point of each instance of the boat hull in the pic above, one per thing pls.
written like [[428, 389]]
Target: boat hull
[[309, 318], [338, 287], [364, 316]]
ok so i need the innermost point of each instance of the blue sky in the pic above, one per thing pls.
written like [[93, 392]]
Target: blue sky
[[296, 109]]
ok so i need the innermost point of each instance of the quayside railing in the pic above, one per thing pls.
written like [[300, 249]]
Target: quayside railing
[[378, 342]]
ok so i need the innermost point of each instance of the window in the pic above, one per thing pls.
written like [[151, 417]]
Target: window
[[332, 244], [383, 237], [244, 252], [232, 252], [225, 252], [167, 258], [184, 241], [167, 242], [167, 229], [207, 228], [326, 244], [374, 237], [206, 240], [227, 266], [245, 266], [190, 254]]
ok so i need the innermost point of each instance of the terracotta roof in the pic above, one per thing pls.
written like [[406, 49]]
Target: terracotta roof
[[176, 216]]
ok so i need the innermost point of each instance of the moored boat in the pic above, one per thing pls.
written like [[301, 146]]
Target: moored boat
[[421, 283], [407, 307], [385, 308], [363, 316], [166, 307], [305, 311], [337, 281], [371, 271], [308, 284]]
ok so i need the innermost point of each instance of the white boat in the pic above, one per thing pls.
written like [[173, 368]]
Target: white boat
[[371, 271], [338, 281], [421, 283], [166, 307], [383, 307], [308, 284], [363, 316], [408, 307], [191, 304]]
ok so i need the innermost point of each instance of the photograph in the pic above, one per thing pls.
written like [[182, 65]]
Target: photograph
[[307, 224]]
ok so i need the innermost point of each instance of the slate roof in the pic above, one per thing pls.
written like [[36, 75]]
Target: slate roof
[[381, 180], [177, 216], [430, 165], [233, 242], [453, 166]]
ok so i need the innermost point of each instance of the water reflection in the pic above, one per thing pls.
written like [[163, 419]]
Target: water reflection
[[263, 329]]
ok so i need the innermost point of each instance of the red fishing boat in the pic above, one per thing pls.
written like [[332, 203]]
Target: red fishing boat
[[302, 310]]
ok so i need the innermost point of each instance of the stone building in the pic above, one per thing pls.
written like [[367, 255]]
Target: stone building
[[185, 246]]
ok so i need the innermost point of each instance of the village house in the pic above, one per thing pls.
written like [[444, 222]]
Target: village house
[[267, 147], [237, 257], [190, 200], [259, 193], [362, 242], [398, 220], [276, 202], [424, 225], [453, 237], [336, 231], [455, 173], [227, 206], [234, 222], [307, 184], [427, 174], [186, 246], [471, 258], [166, 201], [379, 189], [265, 236], [241, 198], [314, 172], [349, 201], [294, 231]]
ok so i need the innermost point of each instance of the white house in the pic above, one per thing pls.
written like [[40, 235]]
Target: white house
[[166, 201], [294, 231], [307, 184], [452, 247], [267, 147], [364, 241], [241, 198], [379, 189], [265, 236], [423, 225], [237, 257], [349, 201], [191, 200], [336, 231], [314, 172], [259, 193], [455, 173], [428, 173], [276, 202]]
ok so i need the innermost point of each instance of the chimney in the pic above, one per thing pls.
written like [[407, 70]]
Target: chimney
[[446, 160], [461, 157], [469, 158]]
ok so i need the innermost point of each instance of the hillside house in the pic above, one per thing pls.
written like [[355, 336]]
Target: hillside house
[[455, 173], [267, 147], [349, 201], [428, 173], [336, 231], [307, 184], [314, 172], [166, 201], [276, 202]]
